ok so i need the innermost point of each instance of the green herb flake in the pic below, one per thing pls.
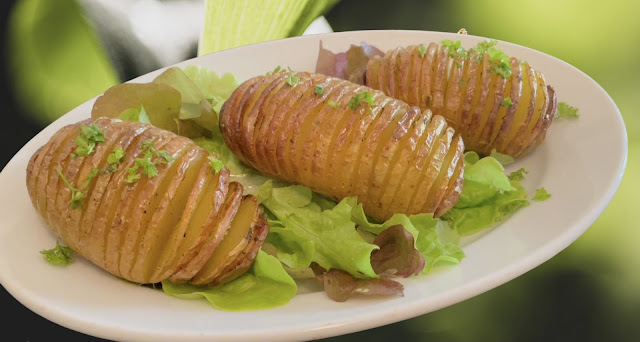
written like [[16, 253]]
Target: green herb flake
[[133, 174], [566, 111], [149, 168], [89, 136], [332, 104], [76, 195], [541, 195], [292, 79], [455, 49], [518, 175], [215, 163], [318, 89], [499, 60], [422, 50], [276, 70], [92, 174], [358, 98], [507, 102], [116, 156], [59, 255]]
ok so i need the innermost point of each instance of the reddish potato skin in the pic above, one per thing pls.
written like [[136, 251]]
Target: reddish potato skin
[[341, 148], [389, 73], [107, 228]]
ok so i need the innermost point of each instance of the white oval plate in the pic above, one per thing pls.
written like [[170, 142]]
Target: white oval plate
[[581, 163]]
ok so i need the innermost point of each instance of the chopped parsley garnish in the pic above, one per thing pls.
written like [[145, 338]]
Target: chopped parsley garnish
[[59, 255], [133, 175], [566, 111], [358, 98], [541, 195], [86, 141], [114, 159], [276, 70], [149, 168], [422, 50], [292, 79], [507, 102], [215, 163], [76, 194], [333, 104], [455, 48], [518, 175], [499, 60], [318, 89], [116, 156], [147, 163], [92, 174]]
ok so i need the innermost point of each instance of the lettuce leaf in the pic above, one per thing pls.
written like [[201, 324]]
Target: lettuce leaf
[[488, 195], [266, 285], [434, 238], [336, 243]]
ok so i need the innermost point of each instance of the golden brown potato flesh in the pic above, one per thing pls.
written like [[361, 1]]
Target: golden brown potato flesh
[[470, 95], [158, 212], [395, 157]]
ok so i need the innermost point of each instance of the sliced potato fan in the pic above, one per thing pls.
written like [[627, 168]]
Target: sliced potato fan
[[144, 203], [509, 112], [343, 139]]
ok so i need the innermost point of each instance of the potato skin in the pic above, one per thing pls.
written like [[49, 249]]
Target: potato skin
[[315, 138], [470, 96], [111, 228]]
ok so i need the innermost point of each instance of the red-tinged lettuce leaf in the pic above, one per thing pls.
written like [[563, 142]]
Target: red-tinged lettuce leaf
[[397, 255], [350, 65], [340, 286], [161, 103]]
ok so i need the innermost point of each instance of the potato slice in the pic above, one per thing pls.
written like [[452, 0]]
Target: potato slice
[[201, 196], [387, 157], [325, 152], [453, 190], [41, 170], [419, 161], [396, 175], [156, 199], [317, 146], [233, 244], [441, 184], [382, 126], [261, 97], [167, 216], [243, 261], [102, 186], [310, 129], [435, 163], [78, 172], [103, 220], [219, 224], [120, 216], [229, 117]]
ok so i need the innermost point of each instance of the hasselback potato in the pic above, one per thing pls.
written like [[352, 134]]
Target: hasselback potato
[[343, 139], [509, 111], [144, 203]]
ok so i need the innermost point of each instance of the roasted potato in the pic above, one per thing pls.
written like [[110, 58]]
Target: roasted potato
[[343, 139], [141, 226], [510, 115]]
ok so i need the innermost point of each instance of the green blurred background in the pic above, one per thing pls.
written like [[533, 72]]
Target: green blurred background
[[53, 60]]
